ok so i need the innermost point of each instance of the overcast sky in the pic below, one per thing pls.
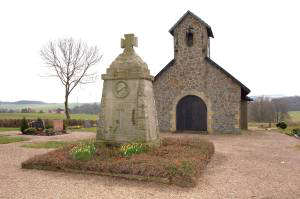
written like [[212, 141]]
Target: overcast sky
[[258, 42]]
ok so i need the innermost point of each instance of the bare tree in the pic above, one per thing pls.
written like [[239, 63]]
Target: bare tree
[[70, 61], [281, 109], [262, 110], [265, 109]]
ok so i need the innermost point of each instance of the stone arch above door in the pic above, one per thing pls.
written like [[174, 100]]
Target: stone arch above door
[[195, 93]]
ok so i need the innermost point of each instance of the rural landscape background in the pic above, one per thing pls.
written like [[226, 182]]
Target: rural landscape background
[[259, 110], [54, 54]]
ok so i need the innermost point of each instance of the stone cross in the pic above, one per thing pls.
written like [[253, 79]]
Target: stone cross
[[129, 41]]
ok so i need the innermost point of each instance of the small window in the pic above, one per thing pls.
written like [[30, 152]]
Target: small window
[[190, 37]]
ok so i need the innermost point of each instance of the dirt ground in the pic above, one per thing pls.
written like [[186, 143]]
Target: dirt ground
[[262, 164]]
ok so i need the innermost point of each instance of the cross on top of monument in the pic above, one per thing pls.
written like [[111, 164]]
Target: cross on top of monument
[[129, 41]]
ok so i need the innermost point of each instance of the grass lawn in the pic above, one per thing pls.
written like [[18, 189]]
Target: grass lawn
[[46, 116], [289, 128], [2, 129], [54, 144], [92, 129], [10, 139], [46, 145], [295, 115], [175, 161]]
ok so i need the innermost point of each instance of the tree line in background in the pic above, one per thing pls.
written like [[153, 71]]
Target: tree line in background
[[6, 110], [265, 109], [292, 102], [82, 109], [86, 108]]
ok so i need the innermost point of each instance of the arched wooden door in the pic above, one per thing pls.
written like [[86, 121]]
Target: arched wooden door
[[191, 114]]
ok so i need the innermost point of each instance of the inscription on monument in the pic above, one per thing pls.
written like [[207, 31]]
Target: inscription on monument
[[121, 89]]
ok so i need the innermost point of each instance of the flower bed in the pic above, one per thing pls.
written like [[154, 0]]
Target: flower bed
[[176, 161], [42, 132], [38, 127]]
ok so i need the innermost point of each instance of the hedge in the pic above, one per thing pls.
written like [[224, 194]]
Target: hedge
[[17, 122]]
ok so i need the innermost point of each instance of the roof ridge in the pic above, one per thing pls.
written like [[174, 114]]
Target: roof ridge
[[228, 74], [164, 69]]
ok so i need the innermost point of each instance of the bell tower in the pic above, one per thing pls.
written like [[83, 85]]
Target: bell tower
[[191, 37]]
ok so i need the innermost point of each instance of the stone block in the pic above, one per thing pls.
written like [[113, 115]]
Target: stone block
[[58, 125]]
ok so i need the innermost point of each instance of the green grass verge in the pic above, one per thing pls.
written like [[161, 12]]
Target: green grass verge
[[2, 129], [93, 129], [4, 139], [289, 128], [295, 116], [53, 144], [46, 145], [46, 116]]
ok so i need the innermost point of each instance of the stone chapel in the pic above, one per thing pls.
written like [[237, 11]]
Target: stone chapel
[[192, 92]]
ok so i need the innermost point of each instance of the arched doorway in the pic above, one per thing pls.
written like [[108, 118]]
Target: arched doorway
[[191, 114]]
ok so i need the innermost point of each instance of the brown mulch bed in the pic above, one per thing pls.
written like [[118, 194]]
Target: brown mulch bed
[[177, 161]]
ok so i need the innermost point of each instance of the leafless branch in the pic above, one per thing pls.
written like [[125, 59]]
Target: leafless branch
[[70, 61]]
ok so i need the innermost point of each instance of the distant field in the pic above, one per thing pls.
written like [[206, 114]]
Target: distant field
[[295, 115], [44, 107], [46, 116]]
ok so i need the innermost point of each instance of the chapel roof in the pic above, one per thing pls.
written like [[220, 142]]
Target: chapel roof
[[245, 90], [209, 31]]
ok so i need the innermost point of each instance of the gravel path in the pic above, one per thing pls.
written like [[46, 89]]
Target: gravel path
[[253, 165]]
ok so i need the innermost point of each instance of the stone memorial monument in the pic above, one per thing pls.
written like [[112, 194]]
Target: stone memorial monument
[[127, 111]]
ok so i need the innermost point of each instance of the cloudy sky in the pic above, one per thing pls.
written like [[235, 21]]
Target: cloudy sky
[[257, 41]]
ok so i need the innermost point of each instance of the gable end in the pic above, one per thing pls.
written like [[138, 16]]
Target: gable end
[[171, 63], [209, 31]]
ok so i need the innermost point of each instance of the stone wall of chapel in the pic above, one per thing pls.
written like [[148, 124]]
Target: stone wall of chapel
[[192, 73]]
